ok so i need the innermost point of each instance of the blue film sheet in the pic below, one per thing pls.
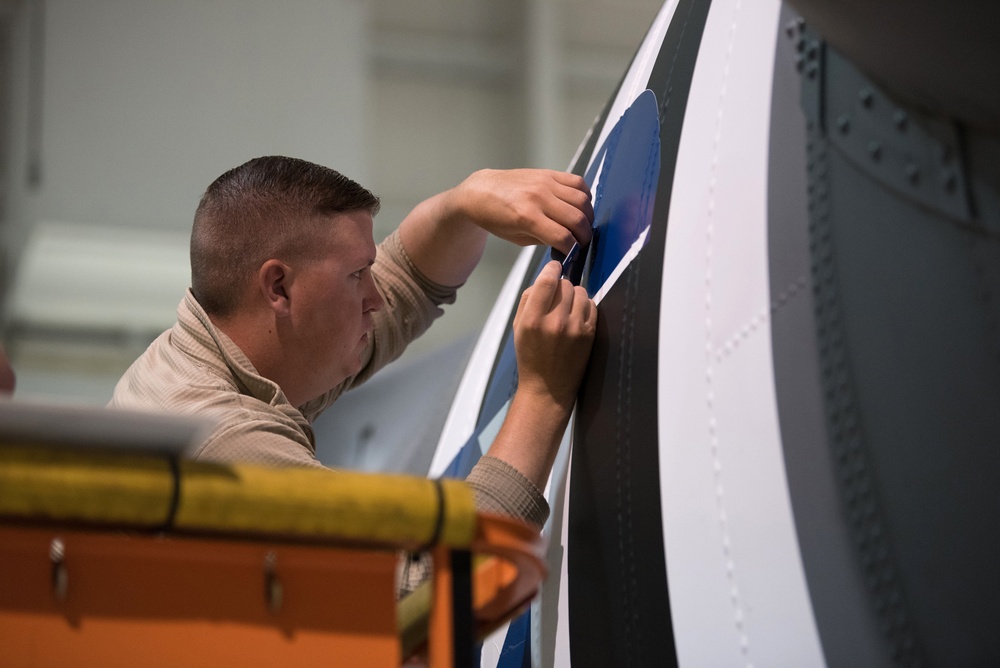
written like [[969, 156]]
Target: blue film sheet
[[626, 170]]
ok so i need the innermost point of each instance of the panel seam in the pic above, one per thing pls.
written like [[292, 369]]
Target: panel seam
[[712, 426], [733, 343]]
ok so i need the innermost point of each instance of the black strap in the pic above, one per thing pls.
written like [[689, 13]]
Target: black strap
[[439, 520], [175, 496]]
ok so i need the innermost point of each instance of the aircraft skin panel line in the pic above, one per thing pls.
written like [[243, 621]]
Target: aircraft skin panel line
[[737, 588]]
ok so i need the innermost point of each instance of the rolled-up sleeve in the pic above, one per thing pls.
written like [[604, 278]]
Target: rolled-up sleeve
[[500, 488]]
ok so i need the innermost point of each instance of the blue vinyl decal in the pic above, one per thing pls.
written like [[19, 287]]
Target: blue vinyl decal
[[628, 164]]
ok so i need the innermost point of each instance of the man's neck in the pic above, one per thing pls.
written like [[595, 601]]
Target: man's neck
[[256, 338]]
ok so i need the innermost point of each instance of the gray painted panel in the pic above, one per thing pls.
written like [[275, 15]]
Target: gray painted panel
[[846, 624]]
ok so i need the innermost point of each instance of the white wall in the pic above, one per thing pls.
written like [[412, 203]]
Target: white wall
[[146, 102]]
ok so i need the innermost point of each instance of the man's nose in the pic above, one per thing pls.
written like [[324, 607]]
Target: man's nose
[[373, 300]]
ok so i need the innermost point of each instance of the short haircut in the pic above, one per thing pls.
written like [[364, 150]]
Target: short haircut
[[269, 207]]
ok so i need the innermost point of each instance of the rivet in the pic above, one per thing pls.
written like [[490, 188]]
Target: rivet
[[790, 29], [912, 173], [812, 51], [875, 150], [799, 62], [800, 23], [812, 70], [844, 124], [901, 119], [867, 98]]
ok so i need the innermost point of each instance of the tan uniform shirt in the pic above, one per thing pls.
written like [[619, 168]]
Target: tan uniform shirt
[[195, 368]]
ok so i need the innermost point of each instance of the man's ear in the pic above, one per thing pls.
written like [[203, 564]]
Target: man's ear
[[274, 279]]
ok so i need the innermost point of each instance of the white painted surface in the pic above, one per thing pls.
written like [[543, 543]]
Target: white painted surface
[[738, 595]]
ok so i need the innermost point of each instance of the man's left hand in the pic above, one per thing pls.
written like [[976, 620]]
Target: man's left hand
[[528, 206]]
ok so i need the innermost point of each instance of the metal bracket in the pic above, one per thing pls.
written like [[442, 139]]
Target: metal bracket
[[910, 152], [274, 592], [809, 60], [60, 575]]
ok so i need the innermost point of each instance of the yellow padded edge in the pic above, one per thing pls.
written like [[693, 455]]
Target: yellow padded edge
[[57, 484], [114, 488], [315, 502]]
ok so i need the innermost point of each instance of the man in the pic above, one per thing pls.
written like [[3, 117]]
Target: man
[[291, 304]]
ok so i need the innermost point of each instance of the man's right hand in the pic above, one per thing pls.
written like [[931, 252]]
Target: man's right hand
[[553, 334]]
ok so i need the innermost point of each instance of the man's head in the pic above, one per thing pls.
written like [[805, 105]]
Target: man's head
[[281, 257], [269, 207]]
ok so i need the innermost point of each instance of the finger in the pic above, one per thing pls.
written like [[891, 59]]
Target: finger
[[567, 294], [578, 216], [574, 181], [537, 227], [583, 307], [576, 220], [562, 301], [541, 295], [580, 199]]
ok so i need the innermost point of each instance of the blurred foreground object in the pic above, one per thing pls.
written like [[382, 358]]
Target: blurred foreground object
[[115, 553]]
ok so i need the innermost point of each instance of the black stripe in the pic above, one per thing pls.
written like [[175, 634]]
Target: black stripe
[[438, 520], [175, 494], [618, 596]]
